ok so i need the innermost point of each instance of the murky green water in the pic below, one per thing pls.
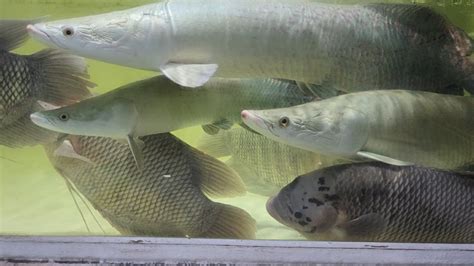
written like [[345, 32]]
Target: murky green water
[[34, 199]]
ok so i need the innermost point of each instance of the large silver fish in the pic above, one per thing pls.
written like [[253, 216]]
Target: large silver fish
[[158, 105], [46, 76], [265, 165], [395, 127], [166, 198], [379, 202], [345, 47]]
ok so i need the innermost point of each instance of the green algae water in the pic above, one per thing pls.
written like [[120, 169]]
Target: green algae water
[[34, 198]]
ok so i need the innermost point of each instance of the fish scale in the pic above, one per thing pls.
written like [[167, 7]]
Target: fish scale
[[414, 197], [450, 137], [265, 165], [124, 169], [163, 199], [49, 76], [18, 85], [379, 202]]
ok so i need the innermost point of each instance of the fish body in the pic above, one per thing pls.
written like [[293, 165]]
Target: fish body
[[265, 165], [51, 76], [158, 105], [345, 47], [397, 127], [166, 198], [379, 202]]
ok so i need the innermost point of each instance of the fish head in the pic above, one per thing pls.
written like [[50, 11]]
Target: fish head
[[121, 37], [312, 127], [303, 206], [115, 118]]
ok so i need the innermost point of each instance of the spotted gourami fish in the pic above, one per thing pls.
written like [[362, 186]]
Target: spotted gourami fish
[[346, 47], [167, 198], [378, 202], [265, 165], [157, 105], [29, 81], [396, 127]]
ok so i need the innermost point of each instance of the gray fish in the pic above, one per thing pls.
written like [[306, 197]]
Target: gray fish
[[397, 127], [158, 105], [50, 76], [265, 165], [346, 47], [166, 198], [379, 202]]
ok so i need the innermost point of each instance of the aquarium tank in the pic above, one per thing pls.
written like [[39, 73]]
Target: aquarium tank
[[223, 172]]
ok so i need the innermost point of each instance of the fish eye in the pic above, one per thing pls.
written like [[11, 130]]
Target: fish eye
[[64, 117], [68, 31], [284, 122]]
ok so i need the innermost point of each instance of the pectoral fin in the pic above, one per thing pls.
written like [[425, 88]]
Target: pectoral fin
[[365, 226], [382, 158], [66, 149], [210, 129], [189, 75], [213, 129], [136, 146]]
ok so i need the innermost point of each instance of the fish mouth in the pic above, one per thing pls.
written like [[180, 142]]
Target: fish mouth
[[257, 123], [40, 120], [272, 210], [40, 35]]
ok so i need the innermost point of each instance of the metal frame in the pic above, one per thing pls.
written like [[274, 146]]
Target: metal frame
[[17, 249]]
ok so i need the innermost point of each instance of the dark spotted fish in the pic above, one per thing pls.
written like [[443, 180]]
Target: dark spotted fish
[[50, 76], [167, 198], [265, 165], [378, 202]]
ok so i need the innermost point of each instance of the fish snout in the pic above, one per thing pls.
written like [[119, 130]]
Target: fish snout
[[40, 35], [258, 124], [35, 32], [39, 120], [251, 120], [271, 208], [245, 115]]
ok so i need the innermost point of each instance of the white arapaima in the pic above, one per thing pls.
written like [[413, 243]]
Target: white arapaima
[[345, 47]]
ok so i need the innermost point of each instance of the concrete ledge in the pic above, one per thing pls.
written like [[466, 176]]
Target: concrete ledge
[[25, 250]]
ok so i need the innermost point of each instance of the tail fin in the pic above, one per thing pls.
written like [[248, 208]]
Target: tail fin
[[214, 145], [232, 222], [13, 33], [64, 76], [215, 178]]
